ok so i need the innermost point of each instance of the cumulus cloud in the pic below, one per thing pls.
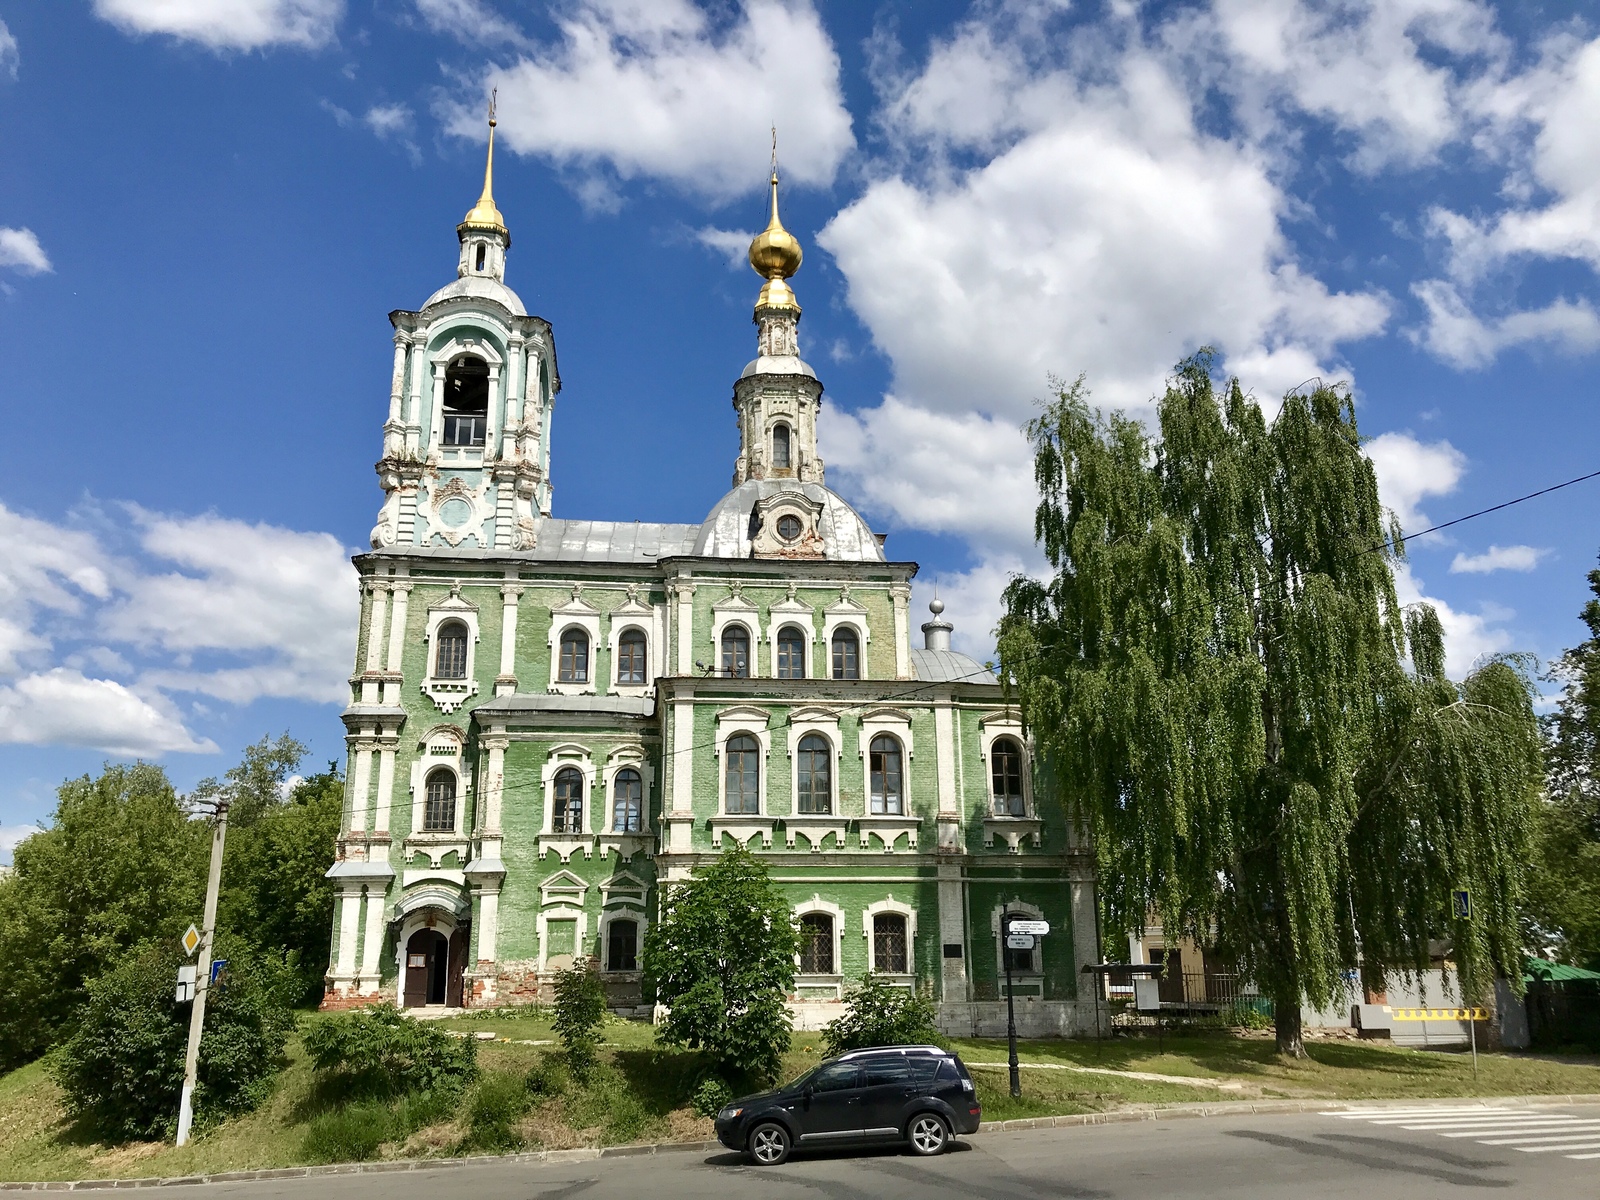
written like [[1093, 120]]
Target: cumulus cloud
[[1465, 339], [200, 605], [1468, 637], [972, 601], [10, 53], [1498, 558], [470, 21], [1409, 470], [666, 90], [11, 837], [732, 244], [228, 24], [20, 251]]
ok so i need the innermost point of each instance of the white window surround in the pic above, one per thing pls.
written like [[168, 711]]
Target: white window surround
[[580, 938], [624, 888], [843, 612], [568, 754], [1031, 912], [603, 948], [625, 844], [891, 905], [735, 610], [436, 844], [742, 827], [476, 343], [449, 694], [642, 619], [804, 618], [815, 827], [563, 888], [576, 613], [1011, 830], [826, 907], [887, 827]]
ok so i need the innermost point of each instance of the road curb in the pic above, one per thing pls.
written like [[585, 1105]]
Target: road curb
[[1169, 1112]]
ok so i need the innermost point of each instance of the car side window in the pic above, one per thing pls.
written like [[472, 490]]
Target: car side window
[[891, 1068], [835, 1078], [947, 1071], [925, 1067]]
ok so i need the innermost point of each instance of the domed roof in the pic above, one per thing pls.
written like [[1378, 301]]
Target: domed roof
[[845, 535], [480, 287]]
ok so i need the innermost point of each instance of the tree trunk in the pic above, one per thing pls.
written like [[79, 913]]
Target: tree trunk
[[1286, 1020]]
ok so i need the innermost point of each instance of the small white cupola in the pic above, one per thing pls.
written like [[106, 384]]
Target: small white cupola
[[936, 633], [483, 233]]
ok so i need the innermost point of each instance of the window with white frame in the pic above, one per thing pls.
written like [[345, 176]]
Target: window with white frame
[[886, 776], [890, 944], [1005, 775], [632, 661], [742, 774], [791, 653], [846, 653], [780, 446], [814, 775], [439, 806], [736, 652], [627, 801], [450, 656], [816, 943], [567, 814], [574, 663]]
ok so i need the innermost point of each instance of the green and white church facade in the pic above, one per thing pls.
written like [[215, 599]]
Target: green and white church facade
[[553, 719]]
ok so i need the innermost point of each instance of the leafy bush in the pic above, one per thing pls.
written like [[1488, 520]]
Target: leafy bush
[[549, 1076], [349, 1134], [580, 1013], [497, 1104], [879, 1014], [712, 1093], [122, 1069], [380, 1052], [608, 1101], [722, 960]]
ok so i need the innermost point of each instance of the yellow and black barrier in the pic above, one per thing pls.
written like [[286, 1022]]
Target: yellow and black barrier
[[1439, 1014]]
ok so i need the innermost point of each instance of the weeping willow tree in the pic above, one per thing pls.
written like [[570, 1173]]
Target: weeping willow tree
[[1264, 743]]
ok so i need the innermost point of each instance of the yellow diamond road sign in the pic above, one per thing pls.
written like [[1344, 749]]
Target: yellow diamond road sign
[[191, 940]]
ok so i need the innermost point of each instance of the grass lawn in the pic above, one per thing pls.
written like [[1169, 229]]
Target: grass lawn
[[641, 1094]]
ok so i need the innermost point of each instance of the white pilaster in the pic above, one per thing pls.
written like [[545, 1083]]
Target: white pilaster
[[901, 595], [506, 683], [371, 691], [360, 785], [488, 924], [373, 941], [401, 590], [349, 918], [385, 798], [494, 785], [685, 628]]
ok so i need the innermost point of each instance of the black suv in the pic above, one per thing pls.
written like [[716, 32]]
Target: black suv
[[918, 1094]]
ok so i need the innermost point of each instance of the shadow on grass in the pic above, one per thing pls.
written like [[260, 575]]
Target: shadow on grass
[[662, 1080]]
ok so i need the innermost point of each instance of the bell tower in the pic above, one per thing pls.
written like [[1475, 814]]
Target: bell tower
[[778, 395]]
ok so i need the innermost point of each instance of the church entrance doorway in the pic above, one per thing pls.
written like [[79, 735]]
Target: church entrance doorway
[[433, 965]]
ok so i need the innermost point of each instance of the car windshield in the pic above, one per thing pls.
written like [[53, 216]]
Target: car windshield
[[800, 1080]]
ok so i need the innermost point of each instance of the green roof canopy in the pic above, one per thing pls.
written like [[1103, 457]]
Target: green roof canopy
[[1546, 971]]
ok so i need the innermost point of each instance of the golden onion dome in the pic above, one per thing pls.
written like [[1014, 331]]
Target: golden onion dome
[[484, 214], [775, 254]]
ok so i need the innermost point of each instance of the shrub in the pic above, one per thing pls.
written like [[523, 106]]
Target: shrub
[[609, 1101], [549, 1076], [498, 1103], [380, 1052], [349, 1134], [580, 1013], [879, 1014], [712, 1093], [122, 1069], [722, 960]]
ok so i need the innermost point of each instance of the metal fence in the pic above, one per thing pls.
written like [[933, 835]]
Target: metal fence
[[1189, 995]]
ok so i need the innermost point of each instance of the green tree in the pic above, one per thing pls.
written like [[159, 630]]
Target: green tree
[[877, 1013], [121, 1070], [256, 786], [121, 862], [1564, 902], [580, 1013], [274, 876], [722, 960], [1217, 673]]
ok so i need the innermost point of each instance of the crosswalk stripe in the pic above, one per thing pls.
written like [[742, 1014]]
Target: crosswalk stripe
[[1575, 1127], [1528, 1141], [1472, 1123], [1548, 1149], [1583, 1157], [1369, 1114]]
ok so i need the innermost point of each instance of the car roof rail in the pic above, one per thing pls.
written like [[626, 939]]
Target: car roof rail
[[849, 1054]]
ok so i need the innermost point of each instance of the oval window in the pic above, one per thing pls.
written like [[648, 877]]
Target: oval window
[[788, 527]]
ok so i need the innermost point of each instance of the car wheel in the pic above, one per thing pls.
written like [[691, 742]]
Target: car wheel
[[769, 1145], [928, 1134]]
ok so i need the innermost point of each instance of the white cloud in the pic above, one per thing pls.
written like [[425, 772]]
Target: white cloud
[[20, 251], [470, 21], [11, 836], [1464, 339], [228, 24], [662, 89], [1498, 558], [62, 707], [732, 244], [202, 605], [10, 53], [972, 601], [1468, 637], [1409, 470]]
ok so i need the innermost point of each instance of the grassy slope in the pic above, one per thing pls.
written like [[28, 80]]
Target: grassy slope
[[644, 1098]]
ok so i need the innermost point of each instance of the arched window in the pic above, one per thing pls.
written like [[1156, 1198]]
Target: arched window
[[884, 763], [791, 653], [846, 653], [780, 446], [568, 814], [736, 652], [889, 956], [466, 401], [816, 944], [574, 664], [483, 252], [450, 659], [622, 946], [627, 802], [439, 810], [1005, 770], [814, 776], [743, 774], [630, 657]]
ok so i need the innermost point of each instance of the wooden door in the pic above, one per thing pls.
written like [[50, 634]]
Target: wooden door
[[456, 964], [415, 988]]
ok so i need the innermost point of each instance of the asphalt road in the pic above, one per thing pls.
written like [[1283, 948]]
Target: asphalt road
[[1315, 1156]]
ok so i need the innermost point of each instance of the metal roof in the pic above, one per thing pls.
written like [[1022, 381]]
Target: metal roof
[[612, 541], [949, 666]]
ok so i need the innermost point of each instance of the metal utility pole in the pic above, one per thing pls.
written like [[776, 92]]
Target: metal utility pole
[[1011, 1008], [197, 1015]]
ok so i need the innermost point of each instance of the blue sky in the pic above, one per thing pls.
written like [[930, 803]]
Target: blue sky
[[208, 208]]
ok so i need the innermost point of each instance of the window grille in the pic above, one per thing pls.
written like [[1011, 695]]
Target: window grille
[[622, 946], [889, 944], [816, 944], [450, 660], [439, 807]]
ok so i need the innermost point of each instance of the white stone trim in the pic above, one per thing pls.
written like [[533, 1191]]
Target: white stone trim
[[580, 938], [743, 718], [625, 844], [444, 921], [890, 905], [844, 611], [642, 617], [824, 722], [576, 613], [603, 929], [735, 610], [563, 888], [449, 694], [818, 905], [427, 761], [991, 729], [561, 757]]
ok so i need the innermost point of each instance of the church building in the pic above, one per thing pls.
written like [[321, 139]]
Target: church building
[[551, 719]]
